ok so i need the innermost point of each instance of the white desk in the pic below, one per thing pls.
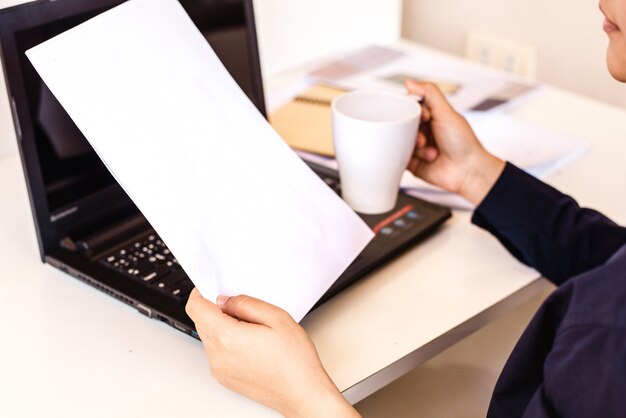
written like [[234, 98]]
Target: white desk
[[69, 350]]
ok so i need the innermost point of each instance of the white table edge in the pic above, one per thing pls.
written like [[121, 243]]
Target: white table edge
[[404, 365]]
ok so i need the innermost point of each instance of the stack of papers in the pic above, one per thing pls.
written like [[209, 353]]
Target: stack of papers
[[241, 212], [386, 68]]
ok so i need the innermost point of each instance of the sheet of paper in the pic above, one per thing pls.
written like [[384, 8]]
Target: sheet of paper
[[523, 144], [240, 211], [467, 85], [357, 62]]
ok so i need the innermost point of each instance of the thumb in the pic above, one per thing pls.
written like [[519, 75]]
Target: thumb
[[434, 99], [252, 310], [205, 314]]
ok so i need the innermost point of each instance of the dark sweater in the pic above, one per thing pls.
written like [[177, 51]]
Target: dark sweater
[[571, 360]]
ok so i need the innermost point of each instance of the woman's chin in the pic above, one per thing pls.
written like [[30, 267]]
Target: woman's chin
[[616, 63]]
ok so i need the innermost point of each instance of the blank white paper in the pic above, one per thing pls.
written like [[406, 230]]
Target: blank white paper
[[239, 210]]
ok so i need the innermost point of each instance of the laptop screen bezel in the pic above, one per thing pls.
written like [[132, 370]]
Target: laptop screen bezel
[[90, 210]]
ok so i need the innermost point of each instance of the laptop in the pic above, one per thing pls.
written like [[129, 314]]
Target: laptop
[[86, 225]]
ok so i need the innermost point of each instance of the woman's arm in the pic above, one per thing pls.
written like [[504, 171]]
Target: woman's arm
[[545, 228], [539, 225]]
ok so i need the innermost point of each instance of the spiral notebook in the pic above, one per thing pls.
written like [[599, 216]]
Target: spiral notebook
[[305, 122]]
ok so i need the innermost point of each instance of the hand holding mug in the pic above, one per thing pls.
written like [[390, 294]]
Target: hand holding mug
[[447, 152]]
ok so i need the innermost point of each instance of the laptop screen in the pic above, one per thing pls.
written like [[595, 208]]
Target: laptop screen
[[70, 169]]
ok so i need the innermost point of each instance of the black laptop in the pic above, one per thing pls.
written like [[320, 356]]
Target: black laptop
[[86, 225]]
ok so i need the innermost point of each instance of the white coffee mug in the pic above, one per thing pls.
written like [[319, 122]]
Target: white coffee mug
[[374, 136]]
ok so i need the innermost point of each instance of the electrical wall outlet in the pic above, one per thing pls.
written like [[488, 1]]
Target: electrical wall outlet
[[496, 51]]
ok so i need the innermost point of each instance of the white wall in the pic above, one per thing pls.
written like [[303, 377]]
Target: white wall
[[567, 33], [292, 32]]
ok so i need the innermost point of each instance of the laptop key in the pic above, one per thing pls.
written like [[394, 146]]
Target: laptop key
[[170, 280], [182, 289], [155, 273], [143, 266]]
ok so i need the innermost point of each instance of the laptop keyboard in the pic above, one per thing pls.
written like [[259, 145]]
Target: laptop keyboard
[[149, 261]]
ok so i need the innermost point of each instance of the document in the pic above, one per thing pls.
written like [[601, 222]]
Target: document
[[538, 150], [235, 205], [467, 86]]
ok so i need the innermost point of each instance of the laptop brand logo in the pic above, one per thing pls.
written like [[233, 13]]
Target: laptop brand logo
[[63, 214]]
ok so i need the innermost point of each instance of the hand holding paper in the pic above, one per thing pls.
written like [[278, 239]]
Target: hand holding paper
[[181, 138]]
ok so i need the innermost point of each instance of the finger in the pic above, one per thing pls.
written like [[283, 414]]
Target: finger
[[428, 154], [252, 310], [421, 141], [421, 164], [426, 116], [413, 164], [205, 314], [434, 99]]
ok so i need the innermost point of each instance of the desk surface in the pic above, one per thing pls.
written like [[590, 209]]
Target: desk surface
[[70, 350]]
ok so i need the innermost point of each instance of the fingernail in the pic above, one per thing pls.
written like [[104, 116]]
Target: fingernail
[[221, 300]]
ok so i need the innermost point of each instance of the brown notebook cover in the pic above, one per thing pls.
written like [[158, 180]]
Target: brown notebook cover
[[305, 122]]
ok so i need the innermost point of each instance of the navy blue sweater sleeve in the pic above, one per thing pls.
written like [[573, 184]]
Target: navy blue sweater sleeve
[[546, 229]]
